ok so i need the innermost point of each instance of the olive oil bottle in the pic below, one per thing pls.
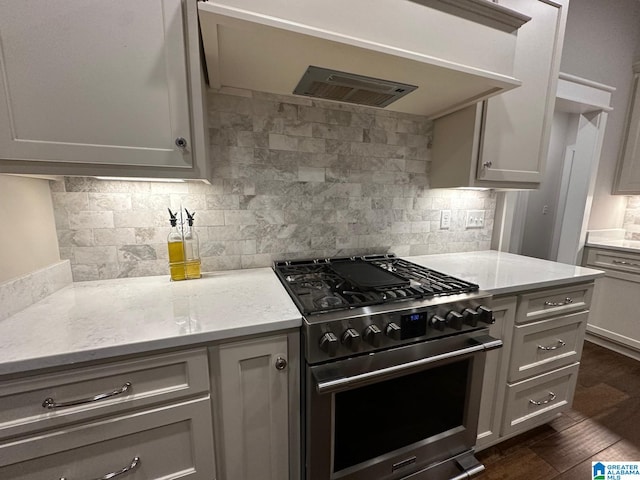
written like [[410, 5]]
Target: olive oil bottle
[[191, 249], [175, 244]]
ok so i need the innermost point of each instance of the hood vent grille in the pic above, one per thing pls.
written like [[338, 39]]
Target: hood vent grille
[[347, 87]]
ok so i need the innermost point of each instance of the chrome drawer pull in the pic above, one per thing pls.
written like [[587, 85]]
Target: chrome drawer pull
[[50, 403], [551, 398], [135, 463], [558, 345], [566, 301], [622, 262]]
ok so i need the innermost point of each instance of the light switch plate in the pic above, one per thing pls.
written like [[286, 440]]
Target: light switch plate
[[475, 219], [445, 219]]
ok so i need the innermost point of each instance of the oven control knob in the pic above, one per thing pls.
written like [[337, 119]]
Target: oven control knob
[[393, 331], [454, 320], [351, 339], [329, 344], [470, 317], [437, 322], [372, 335], [486, 314]]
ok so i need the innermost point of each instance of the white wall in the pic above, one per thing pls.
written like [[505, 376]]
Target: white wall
[[538, 231], [601, 43], [28, 240]]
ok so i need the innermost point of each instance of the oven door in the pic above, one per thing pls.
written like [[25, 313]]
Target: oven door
[[396, 413]]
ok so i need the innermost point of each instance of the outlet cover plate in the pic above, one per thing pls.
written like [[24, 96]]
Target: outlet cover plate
[[445, 219], [475, 219]]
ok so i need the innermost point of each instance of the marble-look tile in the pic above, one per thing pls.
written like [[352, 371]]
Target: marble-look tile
[[114, 236], [311, 174], [141, 201], [91, 219], [70, 201], [256, 261], [95, 255], [109, 201], [79, 238]]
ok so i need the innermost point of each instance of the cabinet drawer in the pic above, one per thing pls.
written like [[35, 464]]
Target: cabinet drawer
[[161, 378], [543, 346], [612, 260], [551, 392], [552, 302], [170, 442]]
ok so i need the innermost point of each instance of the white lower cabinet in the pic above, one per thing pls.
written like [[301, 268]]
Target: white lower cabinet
[[614, 317], [495, 376], [148, 417], [257, 412], [533, 377], [539, 399], [168, 442]]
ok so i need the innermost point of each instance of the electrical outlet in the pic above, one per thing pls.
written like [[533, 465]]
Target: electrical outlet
[[545, 209], [445, 219], [475, 219]]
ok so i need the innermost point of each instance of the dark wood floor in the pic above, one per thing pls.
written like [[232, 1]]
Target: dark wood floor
[[604, 424]]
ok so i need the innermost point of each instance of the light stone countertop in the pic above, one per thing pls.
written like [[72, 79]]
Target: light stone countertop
[[612, 239], [103, 319], [502, 273]]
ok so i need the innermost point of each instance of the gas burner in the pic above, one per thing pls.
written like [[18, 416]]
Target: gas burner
[[329, 301], [346, 283], [314, 285]]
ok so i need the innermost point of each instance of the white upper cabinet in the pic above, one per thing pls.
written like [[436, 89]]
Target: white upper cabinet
[[503, 141], [454, 53], [88, 86], [628, 178]]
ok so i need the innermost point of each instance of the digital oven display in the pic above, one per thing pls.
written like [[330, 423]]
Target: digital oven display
[[413, 325]]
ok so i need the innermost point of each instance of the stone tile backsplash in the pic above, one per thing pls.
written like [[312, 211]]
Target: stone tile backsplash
[[293, 178], [631, 223]]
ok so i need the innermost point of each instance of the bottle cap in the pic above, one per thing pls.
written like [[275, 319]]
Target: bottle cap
[[190, 217], [173, 220]]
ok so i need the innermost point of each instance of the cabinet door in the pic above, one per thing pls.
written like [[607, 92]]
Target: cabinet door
[[495, 373], [517, 124], [503, 142], [614, 309], [94, 82], [253, 409]]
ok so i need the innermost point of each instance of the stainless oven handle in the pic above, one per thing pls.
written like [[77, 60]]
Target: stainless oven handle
[[480, 344]]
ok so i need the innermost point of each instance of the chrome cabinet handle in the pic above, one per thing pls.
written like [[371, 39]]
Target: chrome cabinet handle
[[558, 345], [281, 363], [49, 403], [566, 301], [135, 463], [622, 262], [550, 398]]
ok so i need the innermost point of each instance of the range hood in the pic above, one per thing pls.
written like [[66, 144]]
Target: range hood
[[412, 58]]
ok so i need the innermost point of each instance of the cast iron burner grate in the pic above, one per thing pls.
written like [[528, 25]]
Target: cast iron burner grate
[[323, 285]]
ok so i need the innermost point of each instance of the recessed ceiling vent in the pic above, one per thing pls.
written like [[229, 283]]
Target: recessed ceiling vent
[[347, 87]]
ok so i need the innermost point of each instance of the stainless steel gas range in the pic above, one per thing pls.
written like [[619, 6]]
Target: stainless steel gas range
[[394, 360]]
